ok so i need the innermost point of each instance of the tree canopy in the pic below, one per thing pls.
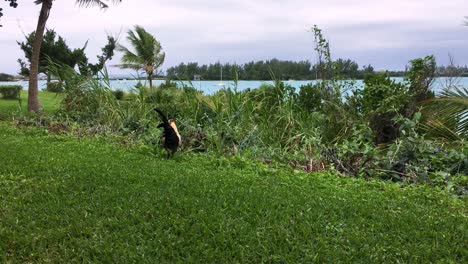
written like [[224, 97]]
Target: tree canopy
[[263, 70], [54, 48], [147, 54]]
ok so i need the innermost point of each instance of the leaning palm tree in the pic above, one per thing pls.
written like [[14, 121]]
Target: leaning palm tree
[[46, 6], [148, 55]]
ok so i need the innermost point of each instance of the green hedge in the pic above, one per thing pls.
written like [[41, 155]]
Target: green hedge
[[10, 91], [119, 94]]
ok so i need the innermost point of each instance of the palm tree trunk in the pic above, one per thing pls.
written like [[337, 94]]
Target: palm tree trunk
[[33, 99], [150, 80]]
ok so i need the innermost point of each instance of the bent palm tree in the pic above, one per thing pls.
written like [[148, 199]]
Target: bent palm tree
[[46, 6], [147, 55]]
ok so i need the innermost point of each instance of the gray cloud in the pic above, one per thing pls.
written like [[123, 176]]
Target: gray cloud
[[386, 34]]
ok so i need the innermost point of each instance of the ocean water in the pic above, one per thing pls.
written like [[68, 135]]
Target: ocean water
[[210, 87]]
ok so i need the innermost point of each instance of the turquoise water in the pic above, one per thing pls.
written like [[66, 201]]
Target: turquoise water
[[210, 87]]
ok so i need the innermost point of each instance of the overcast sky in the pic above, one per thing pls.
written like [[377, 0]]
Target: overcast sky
[[384, 33]]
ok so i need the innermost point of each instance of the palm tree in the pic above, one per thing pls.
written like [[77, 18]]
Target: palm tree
[[46, 6], [147, 56]]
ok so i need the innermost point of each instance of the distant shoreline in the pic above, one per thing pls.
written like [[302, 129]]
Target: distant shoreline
[[111, 78], [213, 86], [132, 78]]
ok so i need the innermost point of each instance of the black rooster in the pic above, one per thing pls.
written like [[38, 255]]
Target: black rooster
[[171, 135]]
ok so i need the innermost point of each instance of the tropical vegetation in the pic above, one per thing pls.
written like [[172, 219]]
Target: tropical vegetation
[[56, 50], [386, 129], [46, 6], [10, 91], [147, 55]]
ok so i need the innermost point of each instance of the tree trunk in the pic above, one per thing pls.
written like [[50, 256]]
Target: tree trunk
[[33, 99], [150, 80]]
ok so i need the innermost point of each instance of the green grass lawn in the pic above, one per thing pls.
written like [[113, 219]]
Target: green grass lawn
[[67, 200], [49, 103]]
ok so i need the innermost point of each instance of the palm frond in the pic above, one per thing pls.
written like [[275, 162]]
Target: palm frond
[[128, 66], [440, 130], [129, 56], [147, 51], [99, 3], [159, 59], [449, 111]]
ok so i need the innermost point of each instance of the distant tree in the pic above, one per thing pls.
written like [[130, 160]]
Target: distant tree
[[347, 68], [6, 77], [259, 70], [368, 69], [148, 55]]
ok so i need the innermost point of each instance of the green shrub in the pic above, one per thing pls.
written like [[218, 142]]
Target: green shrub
[[421, 76], [310, 97], [382, 100], [55, 87], [167, 84], [91, 102], [119, 94], [355, 155], [10, 91], [413, 158], [314, 96], [381, 94]]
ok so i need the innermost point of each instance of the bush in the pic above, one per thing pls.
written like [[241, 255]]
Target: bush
[[10, 91], [168, 84], [355, 156], [310, 97], [421, 76], [382, 100], [413, 158], [119, 94], [55, 87], [381, 94], [313, 96]]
